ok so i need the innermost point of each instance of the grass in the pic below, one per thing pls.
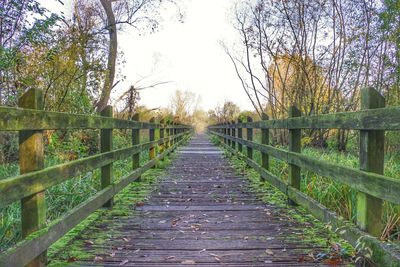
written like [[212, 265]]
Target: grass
[[63, 197], [335, 195], [314, 231]]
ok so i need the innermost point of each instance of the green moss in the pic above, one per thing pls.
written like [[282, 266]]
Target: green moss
[[316, 233], [74, 243]]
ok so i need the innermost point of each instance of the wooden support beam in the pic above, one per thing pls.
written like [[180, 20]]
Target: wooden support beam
[[152, 151], [162, 134], [106, 145], [250, 138], [31, 158], [369, 208], [240, 135], [233, 134], [264, 141], [136, 141], [294, 146]]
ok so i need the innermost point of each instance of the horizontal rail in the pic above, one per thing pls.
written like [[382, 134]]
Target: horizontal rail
[[385, 254], [380, 186], [39, 241], [18, 119], [370, 119], [14, 188]]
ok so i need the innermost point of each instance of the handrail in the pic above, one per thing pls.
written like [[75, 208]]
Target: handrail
[[19, 119], [372, 186], [370, 119], [30, 185]]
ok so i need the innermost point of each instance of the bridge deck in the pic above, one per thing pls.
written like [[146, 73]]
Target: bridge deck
[[202, 213]]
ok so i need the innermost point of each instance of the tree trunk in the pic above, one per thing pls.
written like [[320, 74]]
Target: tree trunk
[[112, 55]]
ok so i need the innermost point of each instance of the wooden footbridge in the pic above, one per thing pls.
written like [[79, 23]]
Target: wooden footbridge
[[202, 211]]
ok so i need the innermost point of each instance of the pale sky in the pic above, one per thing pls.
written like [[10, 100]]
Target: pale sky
[[187, 54]]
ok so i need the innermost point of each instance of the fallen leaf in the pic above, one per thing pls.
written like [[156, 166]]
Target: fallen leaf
[[72, 259], [139, 204], [188, 262], [123, 262], [98, 258], [88, 242], [269, 252], [125, 239]]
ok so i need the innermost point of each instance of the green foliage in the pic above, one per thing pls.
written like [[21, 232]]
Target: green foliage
[[63, 146]]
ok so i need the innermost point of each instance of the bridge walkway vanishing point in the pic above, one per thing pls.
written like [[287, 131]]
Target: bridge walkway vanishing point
[[202, 213]]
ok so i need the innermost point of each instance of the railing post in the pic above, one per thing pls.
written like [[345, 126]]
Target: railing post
[[136, 141], [228, 132], [369, 208], [294, 146], [31, 158], [162, 134], [152, 150], [240, 135], [105, 146], [169, 134], [264, 141], [225, 131], [249, 138], [233, 133]]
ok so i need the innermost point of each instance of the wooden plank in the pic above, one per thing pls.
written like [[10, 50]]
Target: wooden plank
[[39, 241], [359, 120], [14, 188], [18, 119], [106, 145], [31, 158], [377, 185], [384, 254], [372, 144]]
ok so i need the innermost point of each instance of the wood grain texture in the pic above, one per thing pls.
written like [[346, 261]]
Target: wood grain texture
[[204, 214]]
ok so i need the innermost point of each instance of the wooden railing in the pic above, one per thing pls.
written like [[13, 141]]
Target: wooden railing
[[372, 186], [29, 187]]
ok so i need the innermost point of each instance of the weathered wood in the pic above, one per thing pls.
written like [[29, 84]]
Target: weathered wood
[[18, 119], [240, 135], [162, 133], [294, 146], [233, 134], [383, 254], [249, 138], [14, 188], [135, 142], [212, 230], [380, 186], [34, 245], [106, 145], [152, 150], [369, 208], [264, 141], [228, 132], [31, 158], [358, 120]]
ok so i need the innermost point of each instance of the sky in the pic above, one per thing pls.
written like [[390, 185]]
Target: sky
[[186, 55]]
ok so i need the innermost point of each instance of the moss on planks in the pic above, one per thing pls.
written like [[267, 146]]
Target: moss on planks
[[71, 246]]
